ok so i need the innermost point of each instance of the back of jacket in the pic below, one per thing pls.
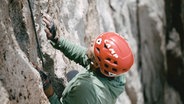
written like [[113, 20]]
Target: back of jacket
[[89, 86]]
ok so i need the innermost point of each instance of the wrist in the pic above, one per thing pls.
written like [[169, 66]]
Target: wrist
[[55, 40], [49, 91]]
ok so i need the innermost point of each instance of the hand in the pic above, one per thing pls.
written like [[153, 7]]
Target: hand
[[50, 28], [47, 86], [49, 91]]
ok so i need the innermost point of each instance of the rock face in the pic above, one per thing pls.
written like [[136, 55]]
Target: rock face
[[154, 30], [20, 82]]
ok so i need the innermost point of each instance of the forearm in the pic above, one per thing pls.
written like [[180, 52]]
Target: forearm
[[72, 51]]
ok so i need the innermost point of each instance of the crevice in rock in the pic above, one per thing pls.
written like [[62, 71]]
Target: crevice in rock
[[138, 36], [175, 74], [19, 25]]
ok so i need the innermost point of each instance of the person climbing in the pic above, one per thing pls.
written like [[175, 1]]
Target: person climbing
[[105, 60]]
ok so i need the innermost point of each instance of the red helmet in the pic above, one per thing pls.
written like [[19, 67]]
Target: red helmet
[[113, 54]]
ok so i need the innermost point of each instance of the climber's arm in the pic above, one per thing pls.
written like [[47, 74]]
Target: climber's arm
[[47, 86], [72, 51]]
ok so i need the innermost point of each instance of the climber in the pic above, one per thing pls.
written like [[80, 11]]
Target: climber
[[106, 60]]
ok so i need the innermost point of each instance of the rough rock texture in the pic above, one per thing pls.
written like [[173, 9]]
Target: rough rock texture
[[20, 81], [154, 30], [4, 97], [152, 49]]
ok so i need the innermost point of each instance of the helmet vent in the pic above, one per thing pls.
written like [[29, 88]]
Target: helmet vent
[[98, 50], [105, 46], [106, 72], [115, 62], [106, 65], [98, 58], [124, 69], [108, 59], [114, 69]]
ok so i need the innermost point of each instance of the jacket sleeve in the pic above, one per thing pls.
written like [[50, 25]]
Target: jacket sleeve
[[54, 99], [72, 51]]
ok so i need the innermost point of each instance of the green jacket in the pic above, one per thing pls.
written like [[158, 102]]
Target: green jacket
[[88, 87]]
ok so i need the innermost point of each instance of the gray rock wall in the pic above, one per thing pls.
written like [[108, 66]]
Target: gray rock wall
[[20, 82], [152, 49], [153, 28]]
